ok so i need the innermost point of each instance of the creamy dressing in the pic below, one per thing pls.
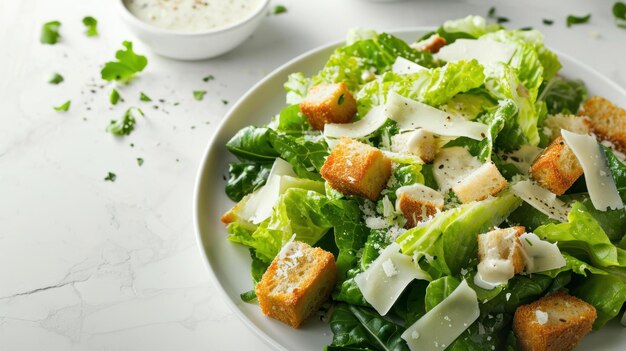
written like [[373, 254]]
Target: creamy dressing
[[192, 16]]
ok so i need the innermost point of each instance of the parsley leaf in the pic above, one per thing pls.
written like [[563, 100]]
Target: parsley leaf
[[225, 102], [114, 97], [501, 20], [110, 177], [56, 79], [278, 9], [208, 78], [124, 125], [92, 26], [126, 67], [492, 12], [144, 97], [140, 161], [199, 94], [619, 12], [548, 22], [571, 19], [50, 33], [64, 107]]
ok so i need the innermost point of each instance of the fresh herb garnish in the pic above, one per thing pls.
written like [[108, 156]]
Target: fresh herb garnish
[[225, 102], [114, 97], [50, 33], [501, 20], [199, 94], [548, 22], [571, 19], [208, 78], [278, 9], [127, 65], [56, 79], [124, 125], [144, 97], [64, 107], [492, 12], [140, 161], [619, 13], [92, 26], [526, 28], [110, 177]]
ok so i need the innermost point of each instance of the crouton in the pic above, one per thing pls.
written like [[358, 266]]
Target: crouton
[[606, 120], [417, 202], [328, 103], [502, 244], [432, 44], [556, 322], [296, 283], [419, 142], [483, 182], [557, 167], [354, 168], [572, 123]]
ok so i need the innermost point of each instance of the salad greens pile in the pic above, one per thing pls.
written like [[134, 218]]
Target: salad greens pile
[[513, 99]]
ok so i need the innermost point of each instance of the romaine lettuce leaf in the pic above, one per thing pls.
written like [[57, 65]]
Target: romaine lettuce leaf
[[582, 237], [563, 96], [296, 86], [502, 82], [470, 27], [253, 144], [244, 178], [606, 293], [305, 156], [359, 328], [348, 63], [290, 121]]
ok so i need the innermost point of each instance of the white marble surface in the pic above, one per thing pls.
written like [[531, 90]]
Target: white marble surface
[[92, 265]]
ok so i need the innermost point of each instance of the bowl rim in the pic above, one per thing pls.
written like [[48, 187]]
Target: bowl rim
[[129, 16], [211, 144]]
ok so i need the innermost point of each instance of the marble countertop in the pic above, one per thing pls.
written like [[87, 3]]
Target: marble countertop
[[87, 264]]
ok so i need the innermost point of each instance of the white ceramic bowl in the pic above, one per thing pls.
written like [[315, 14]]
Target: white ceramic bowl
[[197, 45]]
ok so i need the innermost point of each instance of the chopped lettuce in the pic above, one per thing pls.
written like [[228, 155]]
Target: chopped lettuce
[[563, 96], [606, 293], [245, 178]]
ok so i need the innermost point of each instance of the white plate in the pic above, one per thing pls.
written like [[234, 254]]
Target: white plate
[[229, 264]]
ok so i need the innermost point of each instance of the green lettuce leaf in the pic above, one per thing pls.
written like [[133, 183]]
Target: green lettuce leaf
[[502, 82], [582, 237], [348, 63], [244, 178], [606, 293], [290, 121], [253, 144], [438, 290], [470, 27], [363, 329], [563, 96], [305, 156], [297, 86]]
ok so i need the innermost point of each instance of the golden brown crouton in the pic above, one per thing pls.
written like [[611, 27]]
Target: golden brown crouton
[[354, 168], [432, 44], [418, 142], [296, 283], [606, 120], [417, 202], [328, 103], [572, 123], [556, 168], [483, 182], [502, 244], [556, 322]]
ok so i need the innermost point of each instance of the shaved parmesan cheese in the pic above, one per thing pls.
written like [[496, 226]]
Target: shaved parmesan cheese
[[439, 327], [541, 316], [386, 278], [281, 168], [411, 114], [486, 52], [452, 164], [404, 66], [540, 255], [542, 199], [600, 184], [373, 120]]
